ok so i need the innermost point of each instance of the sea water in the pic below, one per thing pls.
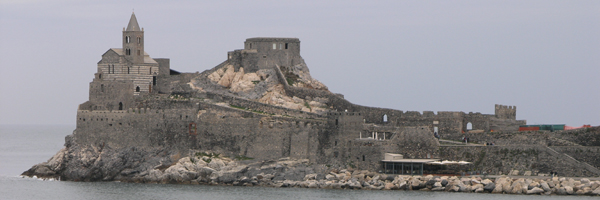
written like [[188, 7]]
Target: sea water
[[22, 146]]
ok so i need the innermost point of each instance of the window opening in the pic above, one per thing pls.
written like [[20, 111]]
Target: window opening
[[127, 70], [137, 88], [469, 126], [286, 45], [154, 80], [274, 46], [385, 118], [101, 87], [99, 76], [126, 39], [139, 40], [363, 157], [120, 108], [280, 46]]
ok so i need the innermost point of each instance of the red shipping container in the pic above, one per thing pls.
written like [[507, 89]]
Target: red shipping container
[[534, 128]]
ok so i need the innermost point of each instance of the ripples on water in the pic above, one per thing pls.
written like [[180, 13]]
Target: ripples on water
[[23, 146]]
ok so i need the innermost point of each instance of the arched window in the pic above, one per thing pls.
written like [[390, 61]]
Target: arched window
[[127, 39], [385, 118], [120, 106], [137, 88], [101, 87], [469, 126], [139, 40]]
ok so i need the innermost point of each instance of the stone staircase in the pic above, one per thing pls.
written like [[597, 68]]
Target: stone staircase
[[574, 161]]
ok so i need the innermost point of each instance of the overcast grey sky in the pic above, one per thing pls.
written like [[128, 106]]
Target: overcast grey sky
[[542, 56]]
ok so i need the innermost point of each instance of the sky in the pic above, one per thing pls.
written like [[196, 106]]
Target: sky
[[541, 56]]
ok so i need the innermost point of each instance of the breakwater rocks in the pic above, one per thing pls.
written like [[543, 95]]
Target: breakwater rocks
[[299, 173]]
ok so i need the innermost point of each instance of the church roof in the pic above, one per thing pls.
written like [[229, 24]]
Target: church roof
[[120, 52], [133, 24]]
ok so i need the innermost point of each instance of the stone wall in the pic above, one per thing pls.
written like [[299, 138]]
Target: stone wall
[[193, 124], [504, 159]]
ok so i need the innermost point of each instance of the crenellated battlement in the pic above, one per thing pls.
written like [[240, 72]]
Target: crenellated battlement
[[505, 112]]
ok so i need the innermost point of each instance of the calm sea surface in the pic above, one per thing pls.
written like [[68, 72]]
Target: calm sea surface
[[25, 145]]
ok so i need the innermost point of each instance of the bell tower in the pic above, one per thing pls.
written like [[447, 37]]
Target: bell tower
[[133, 41]]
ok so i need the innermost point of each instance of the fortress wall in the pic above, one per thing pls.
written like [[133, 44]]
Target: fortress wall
[[106, 95], [412, 142], [503, 159], [248, 59], [162, 80], [223, 130]]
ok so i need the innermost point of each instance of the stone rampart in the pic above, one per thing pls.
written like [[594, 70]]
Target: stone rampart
[[504, 159]]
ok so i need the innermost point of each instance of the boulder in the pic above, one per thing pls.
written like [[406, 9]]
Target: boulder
[[340, 176], [584, 180], [584, 191], [429, 184], [486, 182], [561, 191], [596, 191], [498, 189], [310, 177], [516, 188], [527, 173], [476, 186], [444, 182], [569, 189], [478, 190], [535, 190], [545, 186], [533, 185], [490, 187], [389, 186], [594, 185]]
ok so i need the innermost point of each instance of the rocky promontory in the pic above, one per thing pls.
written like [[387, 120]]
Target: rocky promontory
[[213, 169]]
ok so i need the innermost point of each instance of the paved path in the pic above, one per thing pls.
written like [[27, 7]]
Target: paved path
[[532, 177], [459, 143]]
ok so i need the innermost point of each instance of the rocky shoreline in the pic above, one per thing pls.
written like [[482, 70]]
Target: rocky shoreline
[[214, 170]]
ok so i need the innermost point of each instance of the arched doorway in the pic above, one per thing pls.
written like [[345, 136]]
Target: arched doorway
[[120, 106], [469, 126]]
